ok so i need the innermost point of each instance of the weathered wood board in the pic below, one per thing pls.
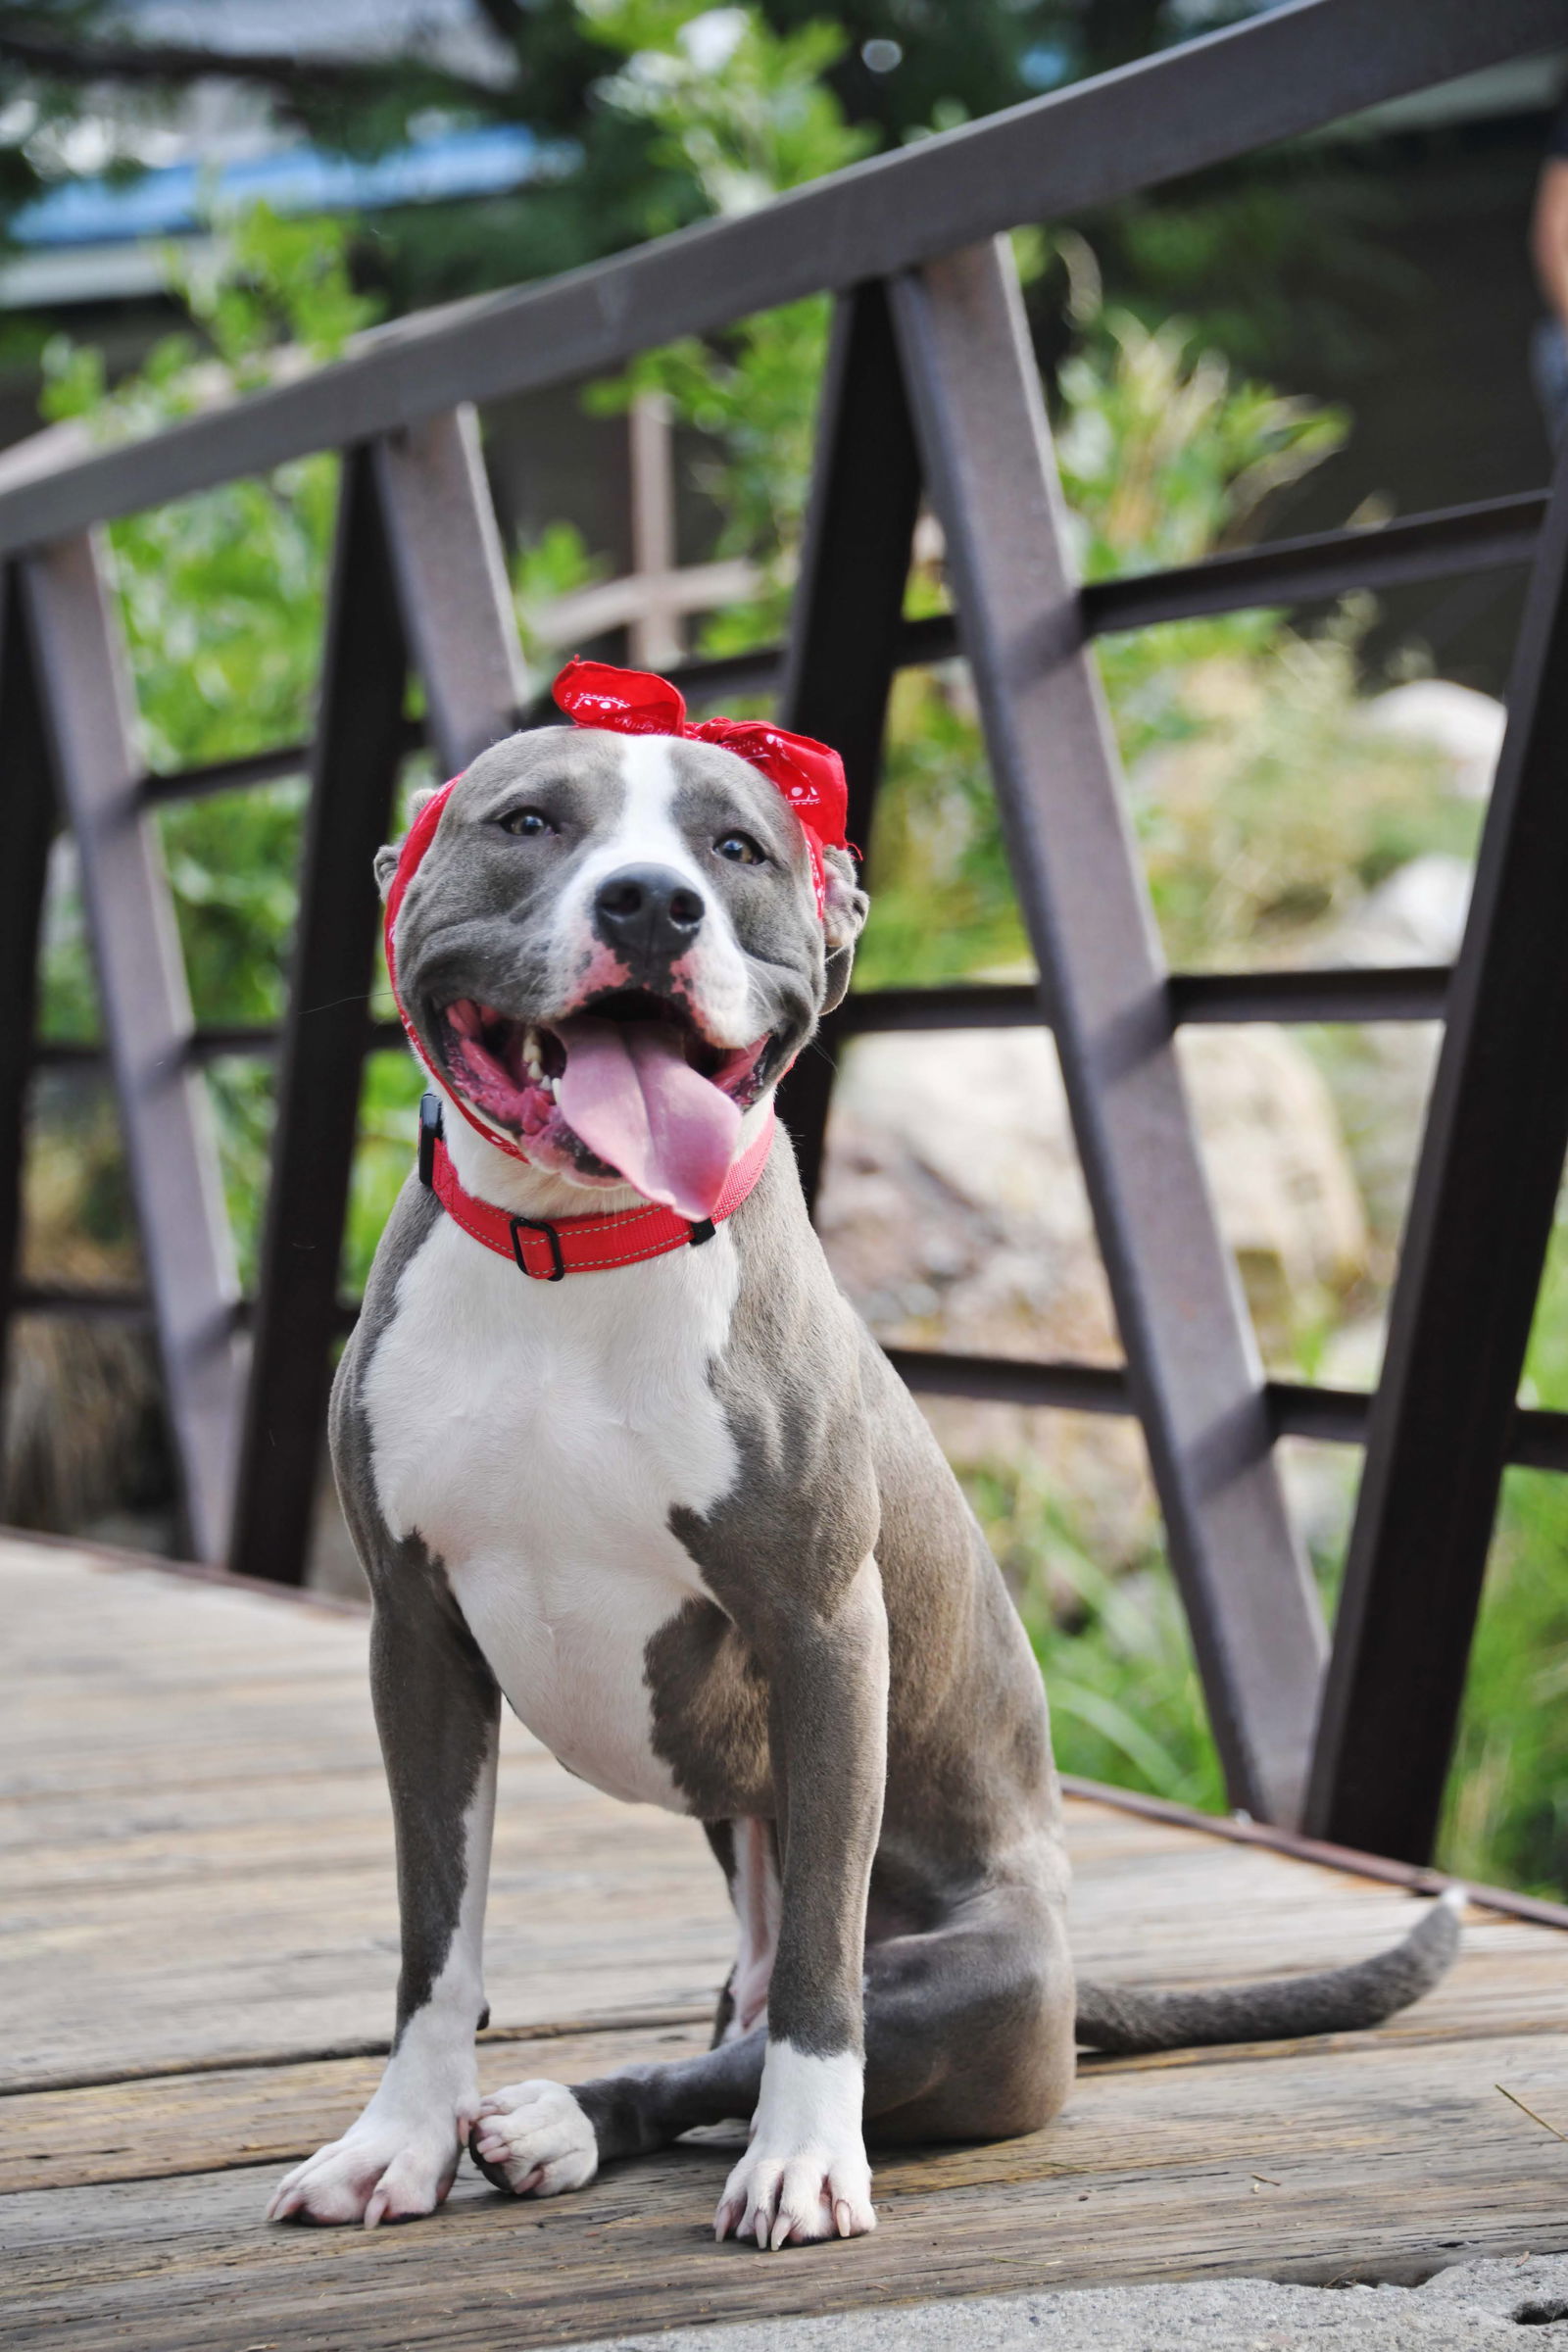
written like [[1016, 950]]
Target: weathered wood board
[[198, 1968]]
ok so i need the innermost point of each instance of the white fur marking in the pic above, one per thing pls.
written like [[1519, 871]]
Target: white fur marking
[[537, 1436], [398, 2157], [646, 834], [538, 2135], [805, 2175]]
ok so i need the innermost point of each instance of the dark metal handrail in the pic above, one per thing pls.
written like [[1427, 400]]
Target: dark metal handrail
[[1276, 78]]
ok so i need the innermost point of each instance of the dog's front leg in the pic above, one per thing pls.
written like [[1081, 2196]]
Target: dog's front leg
[[805, 2175], [437, 1710]]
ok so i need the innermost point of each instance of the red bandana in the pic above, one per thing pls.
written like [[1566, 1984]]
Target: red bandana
[[417, 841], [634, 701]]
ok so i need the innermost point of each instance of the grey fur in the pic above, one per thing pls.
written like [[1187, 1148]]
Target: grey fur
[[437, 1707], [967, 1981], [1333, 2000], [923, 1875]]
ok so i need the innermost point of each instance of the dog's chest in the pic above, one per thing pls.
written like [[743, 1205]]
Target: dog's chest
[[537, 1437]]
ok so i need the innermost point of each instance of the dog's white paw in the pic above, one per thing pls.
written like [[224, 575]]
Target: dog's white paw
[[533, 2138], [382, 2169], [804, 2176], [797, 2196]]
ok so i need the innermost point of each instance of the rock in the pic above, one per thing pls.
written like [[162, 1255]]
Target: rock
[[1466, 727], [955, 1215], [1416, 917], [1282, 1178]]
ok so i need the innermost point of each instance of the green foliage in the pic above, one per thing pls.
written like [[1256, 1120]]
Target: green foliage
[[744, 112], [1244, 740], [1126, 1705], [1272, 805], [222, 594], [1505, 1819], [744, 115], [1166, 455], [544, 66]]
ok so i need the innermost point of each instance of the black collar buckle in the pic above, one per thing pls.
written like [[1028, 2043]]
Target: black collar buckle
[[537, 1225]]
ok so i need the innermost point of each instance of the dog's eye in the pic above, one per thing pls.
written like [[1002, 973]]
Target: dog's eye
[[529, 823], [740, 848]]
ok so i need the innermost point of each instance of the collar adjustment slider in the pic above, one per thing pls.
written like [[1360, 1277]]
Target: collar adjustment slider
[[430, 1134], [538, 1225]]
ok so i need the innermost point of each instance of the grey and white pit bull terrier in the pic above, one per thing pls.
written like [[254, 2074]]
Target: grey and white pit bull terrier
[[682, 1514]]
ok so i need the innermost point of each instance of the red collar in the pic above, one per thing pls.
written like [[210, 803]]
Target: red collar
[[547, 1251]]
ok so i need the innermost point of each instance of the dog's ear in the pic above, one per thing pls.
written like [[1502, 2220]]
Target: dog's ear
[[386, 857], [842, 919]]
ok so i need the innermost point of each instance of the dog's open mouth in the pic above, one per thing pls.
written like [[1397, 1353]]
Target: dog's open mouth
[[631, 1079]]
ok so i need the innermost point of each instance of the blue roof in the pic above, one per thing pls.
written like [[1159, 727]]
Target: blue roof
[[180, 197]]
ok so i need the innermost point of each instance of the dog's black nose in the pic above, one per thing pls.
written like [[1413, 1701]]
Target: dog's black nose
[[648, 912]]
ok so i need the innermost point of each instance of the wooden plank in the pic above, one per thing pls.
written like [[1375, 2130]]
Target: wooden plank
[[1191, 107], [846, 613], [141, 1870], [1443, 1421], [359, 744], [204, 2119], [245, 1951], [450, 573], [28, 816], [1192, 1363], [195, 2123], [1380, 2163], [193, 1821], [145, 1007]]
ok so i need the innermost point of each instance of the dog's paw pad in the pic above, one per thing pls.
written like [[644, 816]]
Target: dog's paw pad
[[534, 2139], [380, 2172], [797, 2197]]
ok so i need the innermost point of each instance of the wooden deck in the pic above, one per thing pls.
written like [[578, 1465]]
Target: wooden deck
[[200, 1951]]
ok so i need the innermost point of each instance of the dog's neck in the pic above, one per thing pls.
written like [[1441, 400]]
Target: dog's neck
[[524, 1190]]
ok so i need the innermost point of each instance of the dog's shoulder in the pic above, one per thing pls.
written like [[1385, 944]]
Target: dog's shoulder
[[787, 1383]]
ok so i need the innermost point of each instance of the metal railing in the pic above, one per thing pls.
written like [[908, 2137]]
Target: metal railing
[[930, 390]]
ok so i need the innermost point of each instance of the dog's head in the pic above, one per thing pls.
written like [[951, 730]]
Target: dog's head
[[612, 950]]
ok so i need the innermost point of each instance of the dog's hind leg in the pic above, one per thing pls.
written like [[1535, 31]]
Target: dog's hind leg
[[438, 1711], [969, 2036], [536, 2138], [969, 2025]]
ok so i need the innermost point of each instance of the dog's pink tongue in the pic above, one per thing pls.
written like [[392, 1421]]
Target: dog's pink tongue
[[636, 1102]]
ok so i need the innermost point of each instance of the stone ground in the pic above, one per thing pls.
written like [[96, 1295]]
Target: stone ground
[[1478, 2304]]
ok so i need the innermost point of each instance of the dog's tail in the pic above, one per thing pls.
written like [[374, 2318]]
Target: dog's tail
[[1335, 2000]]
